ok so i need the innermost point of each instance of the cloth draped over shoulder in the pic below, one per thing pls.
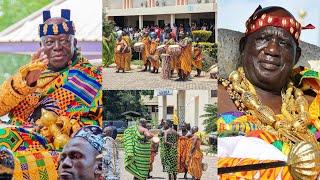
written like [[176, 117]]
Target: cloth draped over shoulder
[[137, 153]]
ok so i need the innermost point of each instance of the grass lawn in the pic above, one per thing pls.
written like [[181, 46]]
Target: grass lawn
[[10, 64], [11, 11]]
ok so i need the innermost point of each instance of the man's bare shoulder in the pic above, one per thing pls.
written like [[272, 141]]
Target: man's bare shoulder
[[225, 104]]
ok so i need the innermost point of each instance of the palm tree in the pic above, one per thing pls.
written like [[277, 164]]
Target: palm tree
[[211, 118]]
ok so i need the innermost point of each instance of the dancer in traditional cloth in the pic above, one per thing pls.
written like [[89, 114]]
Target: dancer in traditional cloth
[[56, 94], [269, 105], [154, 151], [121, 53], [79, 158], [195, 155], [185, 59], [128, 54], [182, 149], [174, 59], [154, 55], [110, 156], [137, 150], [170, 151], [145, 53], [197, 60]]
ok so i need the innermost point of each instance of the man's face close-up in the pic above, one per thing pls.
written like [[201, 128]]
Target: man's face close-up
[[78, 161], [59, 49], [268, 58]]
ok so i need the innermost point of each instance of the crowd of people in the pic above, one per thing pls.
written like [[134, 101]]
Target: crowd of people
[[179, 150], [171, 46]]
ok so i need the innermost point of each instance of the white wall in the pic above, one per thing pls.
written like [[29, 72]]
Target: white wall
[[203, 97]]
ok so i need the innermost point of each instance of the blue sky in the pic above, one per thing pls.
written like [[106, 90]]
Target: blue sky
[[232, 14]]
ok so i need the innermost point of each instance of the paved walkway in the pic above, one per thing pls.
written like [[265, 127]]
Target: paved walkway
[[136, 80], [209, 174]]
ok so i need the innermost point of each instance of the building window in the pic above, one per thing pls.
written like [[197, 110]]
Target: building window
[[170, 110], [154, 109], [213, 93]]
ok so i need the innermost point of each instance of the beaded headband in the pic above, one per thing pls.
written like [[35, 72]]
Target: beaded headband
[[55, 29], [256, 22]]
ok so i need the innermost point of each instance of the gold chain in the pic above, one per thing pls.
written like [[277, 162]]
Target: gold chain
[[290, 125]]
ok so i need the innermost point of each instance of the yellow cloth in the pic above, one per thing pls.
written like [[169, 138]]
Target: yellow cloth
[[145, 53], [175, 119], [186, 59], [119, 57], [128, 56], [153, 51], [195, 161], [38, 165], [197, 63], [182, 153]]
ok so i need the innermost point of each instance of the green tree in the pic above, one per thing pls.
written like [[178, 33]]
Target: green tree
[[117, 102], [108, 43], [210, 118]]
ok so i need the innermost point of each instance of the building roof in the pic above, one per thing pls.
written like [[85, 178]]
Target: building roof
[[86, 15]]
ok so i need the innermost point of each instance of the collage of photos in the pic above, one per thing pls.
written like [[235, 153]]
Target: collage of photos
[[159, 89]]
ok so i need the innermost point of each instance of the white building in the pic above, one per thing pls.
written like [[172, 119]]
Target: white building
[[189, 105], [139, 13]]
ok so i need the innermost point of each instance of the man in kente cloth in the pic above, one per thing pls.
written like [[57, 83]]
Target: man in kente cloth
[[194, 155], [137, 148], [185, 59], [56, 93], [182, 149], [275, 106], [146, 51], [170, 151], [121, 53]]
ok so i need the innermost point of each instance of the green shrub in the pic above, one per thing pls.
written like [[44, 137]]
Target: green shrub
[[203, 35], [209, 51]]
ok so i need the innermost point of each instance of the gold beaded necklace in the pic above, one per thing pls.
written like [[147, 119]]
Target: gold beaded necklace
[[290, 125]]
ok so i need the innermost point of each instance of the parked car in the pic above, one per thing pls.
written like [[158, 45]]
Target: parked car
[[120, 125]]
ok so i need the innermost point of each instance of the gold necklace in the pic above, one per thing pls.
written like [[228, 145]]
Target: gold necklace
[[289, 126]]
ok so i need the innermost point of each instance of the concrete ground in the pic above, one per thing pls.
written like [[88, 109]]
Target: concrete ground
[[135, 80], [209, 174]]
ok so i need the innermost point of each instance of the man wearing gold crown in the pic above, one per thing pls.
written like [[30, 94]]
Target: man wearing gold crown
[[276, 123], [56, 94]]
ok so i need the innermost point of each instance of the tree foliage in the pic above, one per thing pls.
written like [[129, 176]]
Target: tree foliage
[[117, 102], [210, 118], [108, 43]]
